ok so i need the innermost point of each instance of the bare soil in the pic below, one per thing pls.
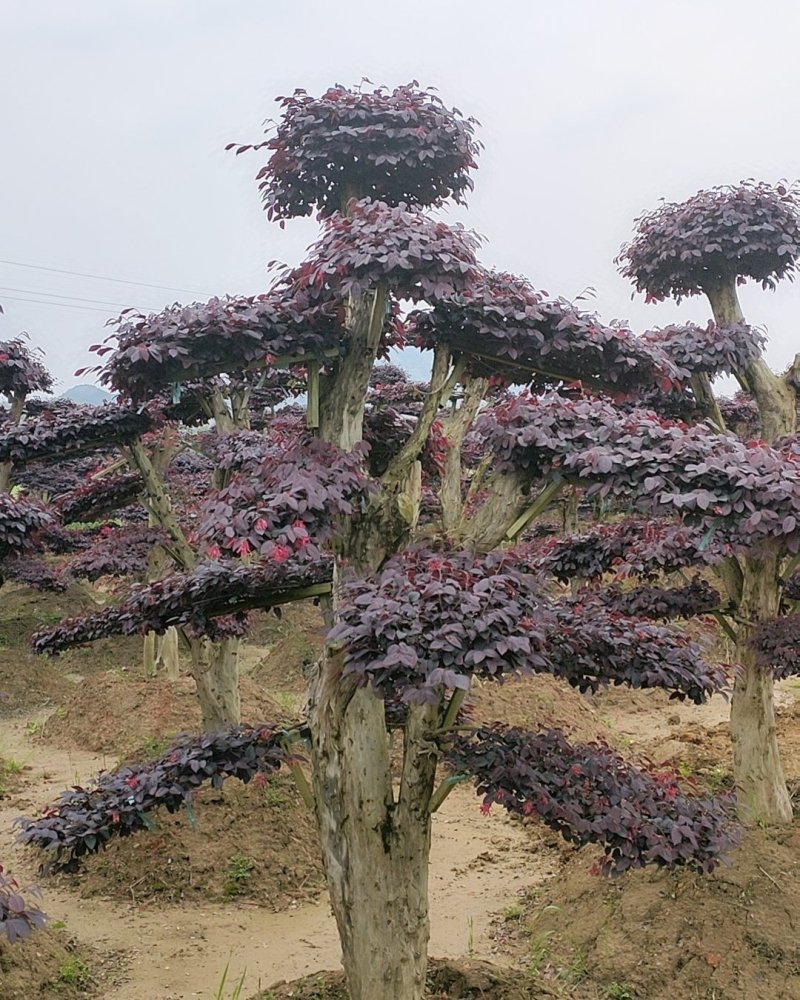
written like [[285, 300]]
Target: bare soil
[[160, 915], [447, 980]]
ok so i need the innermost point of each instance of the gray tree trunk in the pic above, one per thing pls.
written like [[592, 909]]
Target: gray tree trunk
[[376, 847], [161, 653], [455, 427], [215, 669], [14, 417], [375, 844], [762, 795]]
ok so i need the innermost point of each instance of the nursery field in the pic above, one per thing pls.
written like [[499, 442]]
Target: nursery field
[[516, 912], [319, 681]]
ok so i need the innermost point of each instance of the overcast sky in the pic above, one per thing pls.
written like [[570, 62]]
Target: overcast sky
[[114, 118]]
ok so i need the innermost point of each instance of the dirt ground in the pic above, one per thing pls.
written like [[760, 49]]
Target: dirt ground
[[159, 916]]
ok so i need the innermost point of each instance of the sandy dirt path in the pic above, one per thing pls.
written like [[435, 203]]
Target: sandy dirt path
[[479, 866]]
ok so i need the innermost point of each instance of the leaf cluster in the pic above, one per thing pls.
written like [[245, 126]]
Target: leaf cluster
[[21, 371], [745, 493], [117, 553], [591, 795], [749, 230], [183, 342], [83, 820], [430, 621], [590, 645], [639, 547], [508, 328], [416, 256], [35, 573], [99, 497], [53, 479], [399, 145], [289, 503], [20, 522], [55, 436], [777, 645], [18, 917], [711, 350], [697, 597], [211, 590]]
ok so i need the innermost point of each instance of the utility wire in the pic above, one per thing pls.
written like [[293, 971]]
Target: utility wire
[[101, 277], [64, 305], [74, 298]]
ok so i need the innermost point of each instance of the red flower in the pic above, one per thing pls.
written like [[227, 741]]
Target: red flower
[[281, 553]]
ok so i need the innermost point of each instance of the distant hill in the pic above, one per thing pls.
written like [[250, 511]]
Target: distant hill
[[92, 395]]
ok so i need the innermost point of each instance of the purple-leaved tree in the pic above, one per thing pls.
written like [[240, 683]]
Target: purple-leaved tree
[[410, 544], [708, 245]]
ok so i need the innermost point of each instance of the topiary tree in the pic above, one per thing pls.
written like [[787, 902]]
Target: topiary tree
[[21, 372], [709, 245], [419, 597]]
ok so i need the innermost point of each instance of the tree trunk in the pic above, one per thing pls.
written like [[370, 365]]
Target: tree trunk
[[375, 844], [569, 511], [215, 668], [706, 400], [375, 847], [161, 652], [761, 787], [342, 394], [14, 417], [775, 397], [455, 428]]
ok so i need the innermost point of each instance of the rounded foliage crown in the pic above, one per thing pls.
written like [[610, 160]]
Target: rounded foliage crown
[[21, 371], [750, 230], [400, 145]]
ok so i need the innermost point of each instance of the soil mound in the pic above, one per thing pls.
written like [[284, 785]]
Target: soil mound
[[447, 980], [254, 843], [50, 964], [656, 935], [131, 717]]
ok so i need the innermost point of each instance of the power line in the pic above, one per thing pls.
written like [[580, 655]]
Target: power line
[[74, 298], [101, 277], [64, 305]]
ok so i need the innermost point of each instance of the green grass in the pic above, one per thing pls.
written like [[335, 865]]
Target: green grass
[[539, 949], [238, 986], [274, 795], [8, 769], [114, 522], [155, 747], [239, 868], [288, 702], [576, 970], [75, 972], [619, 991]]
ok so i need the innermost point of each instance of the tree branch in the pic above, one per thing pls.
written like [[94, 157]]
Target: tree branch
[[777, 404], [442, 385], [455, 428], [160, 504]]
